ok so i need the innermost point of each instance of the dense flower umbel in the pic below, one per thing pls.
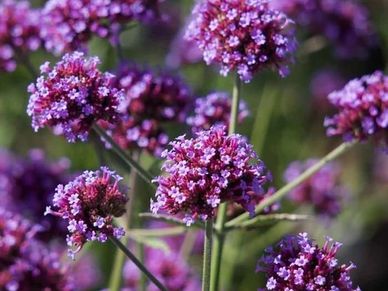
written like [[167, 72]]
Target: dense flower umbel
[[344, 23], [297, 263], [19, 32], [28, 185], [242, 35], [150, 100], [207, 170], [88, 204], [69, 25], [169, 268], [322, 190], [25, 264], [363, 110], [214, 109], [72, 96]]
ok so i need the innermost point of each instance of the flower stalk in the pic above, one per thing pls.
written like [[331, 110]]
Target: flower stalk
[[221, 215], [344, 147], [207, 255]]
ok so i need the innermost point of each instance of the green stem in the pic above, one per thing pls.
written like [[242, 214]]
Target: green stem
[[221, 215], [297, 181], [131, 163], [138, 264], [207, 255]]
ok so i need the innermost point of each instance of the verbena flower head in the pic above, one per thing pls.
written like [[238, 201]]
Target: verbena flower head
[[71, 96], [242, 35], [214, 109], [19, 32], [151, 99], [88, 204], [298, 263], [345, 23], [202, 172], [362, 110], [323, 190], [25, 264], [69, 25], [169, 268], [28, 185]]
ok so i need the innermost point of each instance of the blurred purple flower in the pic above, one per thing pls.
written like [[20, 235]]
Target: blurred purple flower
[[344, 23], [203, 172], [19, 32], [323, 190], [297, 263], [85, 273], [28, 185], [151, 99], [214, 109], [169, 268], [322, 84], [363, 110], [69, 25], [246, 36], [72, 96], [26, 264], [88, 204]]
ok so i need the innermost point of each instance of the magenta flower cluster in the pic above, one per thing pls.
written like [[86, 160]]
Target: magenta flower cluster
[[25, 264], [174, 273], [28, 185], [323, 190], [202, 172], [214, 109], [19, 32], [71, 96], [151, 99], [344, 23], [245, 36], [297, 263], [69, 25], [362, 110], [88, 204]]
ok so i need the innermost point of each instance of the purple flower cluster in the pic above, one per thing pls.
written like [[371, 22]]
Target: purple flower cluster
[[169, 268], [151, 99], [88, 204], [245, 35], [363, 110], [28, 185], [68, 25], [202, 172], [19, 32], [214, 109], [344, 23], [322, 190], [25, 264], [72, 96], [297, 263]]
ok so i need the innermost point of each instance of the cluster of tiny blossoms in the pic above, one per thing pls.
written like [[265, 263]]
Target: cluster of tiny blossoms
[[28, 185], [207, 170], [69, 25], [19, 32], [72, 96], [297, 263], [322, 190], [88, 204], [150, 100], [214, 109], [344, 23], [363, 110], [242, 35], [25, 264], [169, 268]]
